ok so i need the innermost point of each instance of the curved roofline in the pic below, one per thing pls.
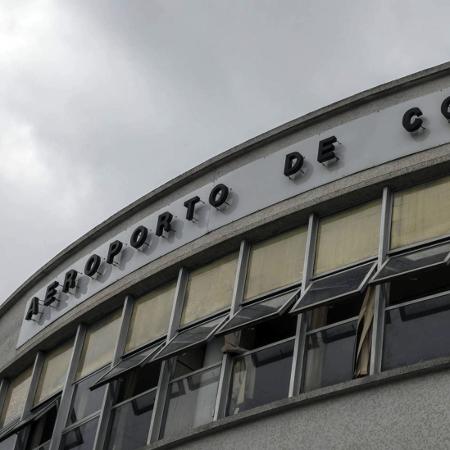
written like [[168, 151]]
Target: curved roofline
[[224, 157]]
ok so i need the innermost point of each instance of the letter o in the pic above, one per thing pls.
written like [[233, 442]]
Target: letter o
[[218, 195], [139, 236], [445, 108], [92, 265]]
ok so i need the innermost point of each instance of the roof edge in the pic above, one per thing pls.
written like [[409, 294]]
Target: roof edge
[[224, 157]]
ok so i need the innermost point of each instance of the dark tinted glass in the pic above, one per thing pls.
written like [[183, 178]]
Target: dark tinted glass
[[85, 401], [130, 423], [335, 312], [198, 357], [192, 336], [268, 332], [333, 287], [415, 260], [190, 402], [81, 438], [329, 356], [417, 332], [42, 429], [253, 378], [139, 380], [419, 284], [257, 311], [125, 365]]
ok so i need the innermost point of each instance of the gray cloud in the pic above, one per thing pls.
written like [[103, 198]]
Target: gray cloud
[[102, 101]]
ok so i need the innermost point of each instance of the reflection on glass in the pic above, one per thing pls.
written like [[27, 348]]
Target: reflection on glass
[[417, 332], [416, 260], [329, 356], [258, 311], [81, 438], [190, 402], [131, 423], [8, 443], [85, 401], [334, 286], [260, 377], [192, 336]]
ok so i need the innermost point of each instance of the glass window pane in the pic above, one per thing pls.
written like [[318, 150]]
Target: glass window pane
[[81, 438], [253, 376], [417, 332], [138, 381], [257, 311], [42, 428], [150, 318], [335, 312], [125, 365], [413, 261], [190, 337], [54, 372], [327, 289], [15, 397], [348, 237], [99, 343], [85, 401], [209, 289], [421, 213], [329, 356], [131, 423], [190, 402], [275, 263]]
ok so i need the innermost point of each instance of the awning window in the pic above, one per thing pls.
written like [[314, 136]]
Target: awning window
[[334, 287], [396, 266], [35, 414], [260, 311], [127, 364], [193, 336]]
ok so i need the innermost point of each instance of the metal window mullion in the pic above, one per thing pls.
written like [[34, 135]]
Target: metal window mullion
[[108, 398], [22, 436], [67, 392], [4, 384], [164, 375], [380, 290], [300, 335], [238, 295]]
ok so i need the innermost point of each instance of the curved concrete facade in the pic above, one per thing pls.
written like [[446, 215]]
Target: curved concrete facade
[[374, 157]]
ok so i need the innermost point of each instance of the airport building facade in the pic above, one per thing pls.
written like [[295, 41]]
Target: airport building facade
[[292, 292]]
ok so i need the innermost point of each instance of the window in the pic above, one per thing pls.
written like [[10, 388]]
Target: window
[[132, 413], [209, 289], [8, 443], [275, 263], [150, 318], [192, 391], [262, 354], [54, 372], [99, 344], [41, 426], [348, 237], [421, 213], [15, 397], [80, 438]]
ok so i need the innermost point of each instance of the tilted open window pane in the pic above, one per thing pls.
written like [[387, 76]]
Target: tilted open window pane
[[15, 397], [421, 213], [54, 372], [329, 356], [414, 261], [99, 344], [334, 287], [348, 237], [81, 438], [209, 289], [188, 338], [8, 443], [150, 318], [127, 364], [275, 263], [257, 312]]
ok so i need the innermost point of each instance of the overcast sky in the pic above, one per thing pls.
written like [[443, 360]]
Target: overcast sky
[[101, 101]]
